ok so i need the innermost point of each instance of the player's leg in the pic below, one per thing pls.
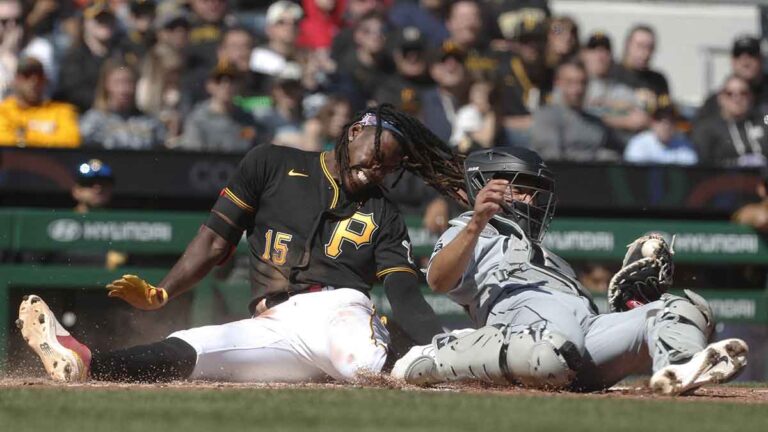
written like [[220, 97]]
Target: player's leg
[[532, 337], [248, 350], [351, 340], [668, 337]]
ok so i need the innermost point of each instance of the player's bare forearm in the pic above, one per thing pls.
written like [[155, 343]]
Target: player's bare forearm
[[203, 253], [449, 264]]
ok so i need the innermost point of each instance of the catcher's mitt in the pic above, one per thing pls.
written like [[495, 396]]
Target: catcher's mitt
[[645, 275]]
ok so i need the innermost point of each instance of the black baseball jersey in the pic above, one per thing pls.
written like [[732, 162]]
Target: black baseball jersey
[[303, 230]]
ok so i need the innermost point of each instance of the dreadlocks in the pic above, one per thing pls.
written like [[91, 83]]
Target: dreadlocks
[[425, 154]]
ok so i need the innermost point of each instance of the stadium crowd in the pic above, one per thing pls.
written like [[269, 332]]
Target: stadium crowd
[[224, 76]]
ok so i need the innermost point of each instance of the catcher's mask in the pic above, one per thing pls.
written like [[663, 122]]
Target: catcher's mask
[[528, 174]]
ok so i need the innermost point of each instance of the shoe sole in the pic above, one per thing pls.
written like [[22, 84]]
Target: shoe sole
[[38, 328], [719, 362]]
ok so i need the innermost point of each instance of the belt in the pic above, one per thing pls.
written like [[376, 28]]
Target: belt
[[272, 300]]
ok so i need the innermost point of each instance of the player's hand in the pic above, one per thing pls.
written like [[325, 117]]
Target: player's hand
[[488, 201], [138, 292]]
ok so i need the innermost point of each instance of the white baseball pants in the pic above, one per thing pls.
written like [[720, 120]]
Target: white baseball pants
[[309, 337]]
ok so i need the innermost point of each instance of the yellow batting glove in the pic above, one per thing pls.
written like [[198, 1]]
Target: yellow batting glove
[[138, 292]]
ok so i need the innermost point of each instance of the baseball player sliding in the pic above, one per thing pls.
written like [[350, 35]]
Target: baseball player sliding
[[537, 325], [320, 233]]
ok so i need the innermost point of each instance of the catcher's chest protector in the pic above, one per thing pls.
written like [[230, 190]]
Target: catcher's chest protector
[[502, 263]]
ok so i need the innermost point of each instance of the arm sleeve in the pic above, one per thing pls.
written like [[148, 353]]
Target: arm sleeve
[[409, 308], [393, 247]]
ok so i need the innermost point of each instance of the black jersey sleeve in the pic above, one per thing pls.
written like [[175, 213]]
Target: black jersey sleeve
[[238, 201], [393, 246]]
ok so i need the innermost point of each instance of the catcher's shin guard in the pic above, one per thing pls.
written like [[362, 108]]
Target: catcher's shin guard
[[534, 357]]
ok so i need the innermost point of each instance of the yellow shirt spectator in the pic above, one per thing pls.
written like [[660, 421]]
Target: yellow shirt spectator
[[50, 124]]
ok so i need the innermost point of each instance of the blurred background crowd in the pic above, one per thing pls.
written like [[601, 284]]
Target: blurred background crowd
[[223, 76]]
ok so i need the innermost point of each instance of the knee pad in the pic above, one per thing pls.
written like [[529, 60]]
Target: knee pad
[[473, 355], [541, 358], [533, 357], [686, 324]]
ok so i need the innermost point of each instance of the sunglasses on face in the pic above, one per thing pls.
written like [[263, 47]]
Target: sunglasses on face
[[736, 93], [6, 21]]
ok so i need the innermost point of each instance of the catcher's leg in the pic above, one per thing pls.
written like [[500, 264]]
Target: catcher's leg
[[667, 336], [536, 341]]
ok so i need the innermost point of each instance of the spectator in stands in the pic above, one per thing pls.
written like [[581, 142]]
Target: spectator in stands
[[323, 130], [476, 122], [425, 15], [279, 53], [363, 69], [412, 78], [523, 76], [93, 186], [746, 63], [662, 143], [235, 48], [465, 31], [563, 130], [344, 40], [158, 91], [217, 125], [322, 20], [440, 103], [80, 66], [562, 41], [139, 36], [205, 34], [614, 102], [650, 86], [756, 214], [115, 122], [28, 119], [283, 122], [17, 41], [172, 28], [735, 136]]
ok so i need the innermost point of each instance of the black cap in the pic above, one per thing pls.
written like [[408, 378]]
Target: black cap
[[410, 39], [28, 66], [446, 50], [599, 40], [94, 171], [746, 45], [223, 69], [531, 28], [142, 7]]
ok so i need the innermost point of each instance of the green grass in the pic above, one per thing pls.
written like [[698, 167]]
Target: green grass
[[188, 410]]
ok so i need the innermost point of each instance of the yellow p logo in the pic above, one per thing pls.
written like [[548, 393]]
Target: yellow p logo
[[357, 230]]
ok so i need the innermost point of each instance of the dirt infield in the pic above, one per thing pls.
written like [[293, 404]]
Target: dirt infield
[[751, 393]]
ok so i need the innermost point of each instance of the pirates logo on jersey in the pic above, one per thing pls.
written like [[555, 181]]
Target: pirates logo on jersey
[[357, 230]]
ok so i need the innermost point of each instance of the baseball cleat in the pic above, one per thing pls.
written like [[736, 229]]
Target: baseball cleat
[[717, 363], [65, 359], [417, 366]]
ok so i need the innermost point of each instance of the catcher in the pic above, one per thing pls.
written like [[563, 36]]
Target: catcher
[[537, 325], [320, 233]]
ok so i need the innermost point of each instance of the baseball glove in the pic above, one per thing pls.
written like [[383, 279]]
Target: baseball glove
[[645, 275]]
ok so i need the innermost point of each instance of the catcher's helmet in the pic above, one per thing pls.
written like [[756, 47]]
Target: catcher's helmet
[[525, 170]]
